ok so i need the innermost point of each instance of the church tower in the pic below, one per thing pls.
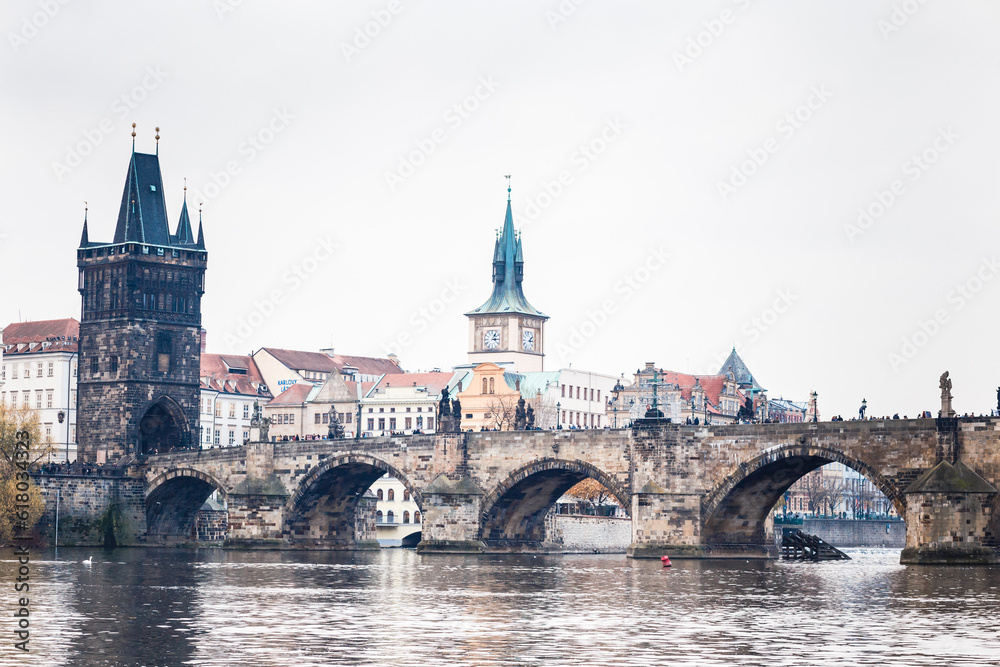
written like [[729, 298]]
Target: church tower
[[140, 326], [507, 330]]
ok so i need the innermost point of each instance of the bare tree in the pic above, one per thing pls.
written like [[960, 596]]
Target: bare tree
[[500, 410], [591, 492]]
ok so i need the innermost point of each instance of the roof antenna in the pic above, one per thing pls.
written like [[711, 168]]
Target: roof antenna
[[157, 141], [508, 186], [133, 137]]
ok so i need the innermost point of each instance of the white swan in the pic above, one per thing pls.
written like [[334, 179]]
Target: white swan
[[88, 561]]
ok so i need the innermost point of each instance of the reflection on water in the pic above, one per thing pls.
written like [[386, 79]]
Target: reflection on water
[[394, 607]]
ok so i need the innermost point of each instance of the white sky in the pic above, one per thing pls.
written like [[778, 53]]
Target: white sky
[[676, 129]]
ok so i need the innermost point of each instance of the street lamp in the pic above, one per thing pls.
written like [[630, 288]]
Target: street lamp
[[357, 427], [815, 408], [558, 415], [864, 406], [61, 416], [615, 410]]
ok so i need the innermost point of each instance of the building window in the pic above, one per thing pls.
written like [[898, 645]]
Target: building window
[[370, 410], [246, 411], [430, 423], [326, 417], [406, 516], [291, 418], [416, 517], [317, 415], [578, 392], [218, 409], [48, 431], [591, 394], [381, 409], [216, 436], [347, 418], [163, 348], [94, 368], [3, 372], [74, 370], [246, 435], [420, 422], [51, 368], [208, 437], [564, 391], [48, 400], [13, 371], [406, 494], [378, 494], [390, 494], [378, 517], [113, 364], [232, 410], [371, 424], [407, 409], [27, 371], [392, 409], [392, 423], [598, 394], [409, 423], [232, 437], [381, 423], [484, 385], [389, 517], [38, 399]]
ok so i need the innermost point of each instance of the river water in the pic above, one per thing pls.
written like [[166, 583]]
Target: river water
[[395, 607]]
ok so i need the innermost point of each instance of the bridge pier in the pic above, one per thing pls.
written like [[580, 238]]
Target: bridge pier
[[948, 516], [451, 519]]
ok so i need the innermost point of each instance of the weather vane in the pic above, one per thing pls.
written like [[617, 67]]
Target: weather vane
[[507, 176]]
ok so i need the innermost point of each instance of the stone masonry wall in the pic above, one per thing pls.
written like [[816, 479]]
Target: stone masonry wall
[[593, 534], [84, 501]]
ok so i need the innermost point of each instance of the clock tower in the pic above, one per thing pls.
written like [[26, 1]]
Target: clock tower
[[507, 330]]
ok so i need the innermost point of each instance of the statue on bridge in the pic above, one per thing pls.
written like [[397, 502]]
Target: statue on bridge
[[945, 383], [520, 416], [530, 417], [336, 431], [260, 422], [456, 414]]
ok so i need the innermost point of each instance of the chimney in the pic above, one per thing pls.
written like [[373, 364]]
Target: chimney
[[328, 351], [394, 359], [649, 365]]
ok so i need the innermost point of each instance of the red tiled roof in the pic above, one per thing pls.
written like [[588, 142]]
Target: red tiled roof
[[294, 395], [63, 336], [434, 382], [215, 375], [320, 361]]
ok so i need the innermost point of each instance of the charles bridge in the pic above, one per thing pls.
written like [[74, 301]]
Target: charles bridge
[[691, 491]]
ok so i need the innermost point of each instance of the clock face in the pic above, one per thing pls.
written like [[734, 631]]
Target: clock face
[[528, 340], [491, 339]]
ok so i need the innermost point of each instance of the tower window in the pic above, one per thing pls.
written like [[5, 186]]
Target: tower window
[[114, 364], [163, 349], [94, 367]]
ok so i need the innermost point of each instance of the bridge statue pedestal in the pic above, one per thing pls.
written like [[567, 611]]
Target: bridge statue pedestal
[[948, 513], [451, 519]]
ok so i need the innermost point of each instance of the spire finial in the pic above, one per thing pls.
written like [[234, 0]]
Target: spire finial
[[133, 137], [157, 141], [185, 188], [199, 211], [84, 212], [508, 186]]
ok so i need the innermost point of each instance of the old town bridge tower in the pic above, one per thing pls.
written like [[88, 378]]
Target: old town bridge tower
[[140, 326]]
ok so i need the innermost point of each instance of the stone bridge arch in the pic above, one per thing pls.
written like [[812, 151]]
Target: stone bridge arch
[[735, 510], [172, 500], [322, 512], [514, 511]]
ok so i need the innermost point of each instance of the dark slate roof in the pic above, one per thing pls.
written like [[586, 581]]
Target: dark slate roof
[[948, 478], [142, 216], [734, 364], [508, 271], [184, 234]]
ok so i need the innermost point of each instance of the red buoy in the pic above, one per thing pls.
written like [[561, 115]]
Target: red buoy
[[665, 560]]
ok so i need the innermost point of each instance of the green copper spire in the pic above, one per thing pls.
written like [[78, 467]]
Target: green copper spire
[[508, 273]]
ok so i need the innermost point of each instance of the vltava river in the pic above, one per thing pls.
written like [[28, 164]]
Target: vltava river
[[394, 607]]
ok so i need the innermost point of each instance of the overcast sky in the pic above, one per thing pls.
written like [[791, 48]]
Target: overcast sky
[[687, 176]]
